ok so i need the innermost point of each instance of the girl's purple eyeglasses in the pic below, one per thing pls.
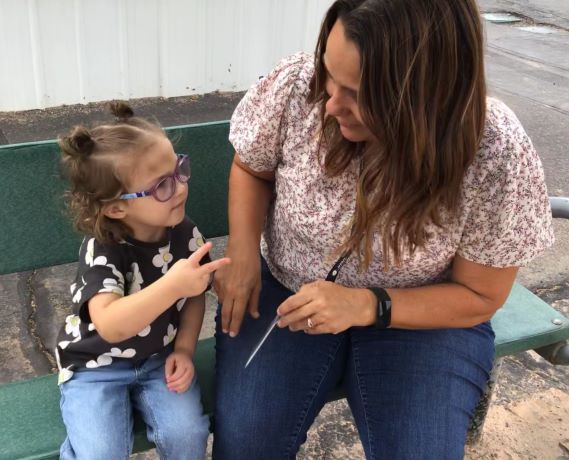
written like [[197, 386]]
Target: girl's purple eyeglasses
[[165, 188]]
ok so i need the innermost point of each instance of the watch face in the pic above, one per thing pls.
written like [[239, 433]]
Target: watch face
[[385, 306]]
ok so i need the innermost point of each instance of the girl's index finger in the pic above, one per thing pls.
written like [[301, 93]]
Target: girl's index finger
[[200, 252], [212, 266]]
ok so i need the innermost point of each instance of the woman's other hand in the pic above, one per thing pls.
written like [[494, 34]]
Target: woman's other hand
[[324, 307], [238, 286]]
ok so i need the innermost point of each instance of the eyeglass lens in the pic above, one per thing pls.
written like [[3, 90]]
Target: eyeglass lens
[[167, 186]]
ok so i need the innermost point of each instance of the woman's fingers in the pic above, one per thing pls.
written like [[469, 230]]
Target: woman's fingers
[[232, 312], [226, 313], [321, 328], [299, 316], [253, 306], [293, 302], [237, 314]]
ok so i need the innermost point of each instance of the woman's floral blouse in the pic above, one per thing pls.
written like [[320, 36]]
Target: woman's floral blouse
[[504, 217]]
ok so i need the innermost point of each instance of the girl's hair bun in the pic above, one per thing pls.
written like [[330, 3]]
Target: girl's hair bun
[[121, 110], [78, 143]]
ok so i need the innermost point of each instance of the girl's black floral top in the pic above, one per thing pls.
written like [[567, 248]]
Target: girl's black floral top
[[121, 268]]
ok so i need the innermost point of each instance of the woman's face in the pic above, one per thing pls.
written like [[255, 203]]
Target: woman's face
[[342, 61]]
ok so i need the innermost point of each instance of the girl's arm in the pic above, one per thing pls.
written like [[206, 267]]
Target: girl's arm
[[119, 318], [191, 319]]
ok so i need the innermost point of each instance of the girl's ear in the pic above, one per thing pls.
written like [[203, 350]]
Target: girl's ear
[[115, 210]]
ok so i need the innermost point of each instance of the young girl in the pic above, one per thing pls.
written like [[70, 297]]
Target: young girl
[[138, 298]]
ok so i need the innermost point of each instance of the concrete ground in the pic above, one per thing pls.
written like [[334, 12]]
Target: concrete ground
[[529, 70]]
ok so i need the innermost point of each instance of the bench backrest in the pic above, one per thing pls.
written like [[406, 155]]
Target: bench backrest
[[34, 228]]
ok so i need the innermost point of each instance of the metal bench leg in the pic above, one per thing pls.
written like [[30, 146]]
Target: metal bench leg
[[477, 422], [556, 353]]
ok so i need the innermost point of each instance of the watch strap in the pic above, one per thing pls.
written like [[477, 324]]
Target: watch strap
[[383, 319]]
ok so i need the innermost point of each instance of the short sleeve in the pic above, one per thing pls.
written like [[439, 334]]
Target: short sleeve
[[98, 272], [258, 125], [508, 220]]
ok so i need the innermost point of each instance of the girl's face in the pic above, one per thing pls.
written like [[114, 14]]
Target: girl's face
[[148, 217], [342, 61]]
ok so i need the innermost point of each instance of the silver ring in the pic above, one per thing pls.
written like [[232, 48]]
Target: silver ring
[[309, 323]]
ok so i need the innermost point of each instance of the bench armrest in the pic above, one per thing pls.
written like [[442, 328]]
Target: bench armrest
[[557, 353], [559, 206]]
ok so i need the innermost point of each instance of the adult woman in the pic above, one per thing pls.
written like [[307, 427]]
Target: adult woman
[[385, 148]]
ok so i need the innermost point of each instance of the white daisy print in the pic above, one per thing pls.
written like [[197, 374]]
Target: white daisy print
[[72, 323], [65, 373], [102, 360], [144, 332], [196, 241], [134, 279], [170, 334], [118, 353], [64, 343], [90, 258], [118, 274], [180, 303], [163, 258], [111, 285], [77, 296]]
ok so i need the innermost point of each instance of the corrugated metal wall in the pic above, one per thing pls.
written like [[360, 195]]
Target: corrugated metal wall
[[55, 52]]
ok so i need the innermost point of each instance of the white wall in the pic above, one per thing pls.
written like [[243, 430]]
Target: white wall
[[55, 52]]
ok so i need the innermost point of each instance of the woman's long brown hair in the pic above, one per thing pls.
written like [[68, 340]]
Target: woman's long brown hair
[[422, 95]]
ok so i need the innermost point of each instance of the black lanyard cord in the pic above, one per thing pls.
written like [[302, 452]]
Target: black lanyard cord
[[333, 273]]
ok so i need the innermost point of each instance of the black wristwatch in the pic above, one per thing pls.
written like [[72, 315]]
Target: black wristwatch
[[383, 319]]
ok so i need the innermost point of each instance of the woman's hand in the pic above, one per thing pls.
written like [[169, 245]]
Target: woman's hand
[[331, 308], [238, 286], [179, 370]]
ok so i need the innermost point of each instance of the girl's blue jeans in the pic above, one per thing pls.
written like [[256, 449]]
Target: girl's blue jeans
[[412, 392], [97, 407]]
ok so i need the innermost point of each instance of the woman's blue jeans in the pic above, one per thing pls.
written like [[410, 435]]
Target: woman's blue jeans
[[412, 392]]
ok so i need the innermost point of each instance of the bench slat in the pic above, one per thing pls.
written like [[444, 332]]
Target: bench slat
[[35, 213], [32, 428]]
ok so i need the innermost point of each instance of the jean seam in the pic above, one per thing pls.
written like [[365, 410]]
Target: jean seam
[[126, 417], [362, 391], [157, 433], [302, 420]]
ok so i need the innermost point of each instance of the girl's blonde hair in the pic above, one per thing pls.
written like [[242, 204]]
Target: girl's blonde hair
[[95, 161]]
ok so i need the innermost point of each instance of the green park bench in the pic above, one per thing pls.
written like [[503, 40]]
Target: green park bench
[[31, 213]]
